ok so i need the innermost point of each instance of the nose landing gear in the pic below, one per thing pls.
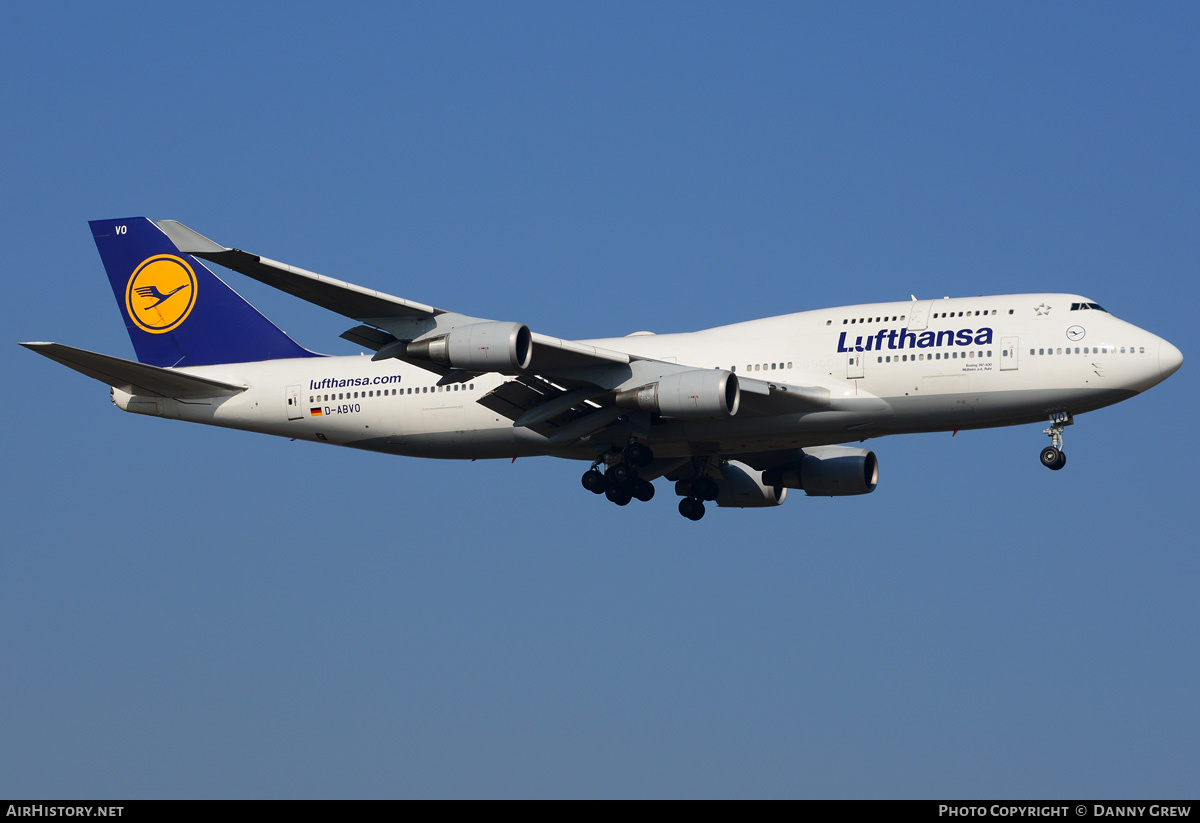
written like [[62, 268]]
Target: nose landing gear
[[1052, 456]]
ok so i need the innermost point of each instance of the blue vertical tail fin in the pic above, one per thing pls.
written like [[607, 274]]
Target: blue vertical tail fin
[[179, 313]]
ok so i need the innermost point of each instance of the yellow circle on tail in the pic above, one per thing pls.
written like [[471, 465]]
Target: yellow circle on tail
[[161, 293]]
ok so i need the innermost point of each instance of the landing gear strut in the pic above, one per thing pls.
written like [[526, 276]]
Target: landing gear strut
[[1052, 456]]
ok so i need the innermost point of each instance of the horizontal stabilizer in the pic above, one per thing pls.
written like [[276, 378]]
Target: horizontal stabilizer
[[135, 378]]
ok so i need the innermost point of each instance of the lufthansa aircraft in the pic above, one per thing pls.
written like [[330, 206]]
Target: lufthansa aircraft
[[736, 415]]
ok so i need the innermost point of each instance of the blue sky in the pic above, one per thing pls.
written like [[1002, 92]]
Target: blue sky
[[191, 612]]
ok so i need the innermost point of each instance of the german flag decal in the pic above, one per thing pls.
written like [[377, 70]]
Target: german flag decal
[[315, 411]]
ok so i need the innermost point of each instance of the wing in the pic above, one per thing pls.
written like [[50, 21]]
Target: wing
[[404, 320], [561, 388]]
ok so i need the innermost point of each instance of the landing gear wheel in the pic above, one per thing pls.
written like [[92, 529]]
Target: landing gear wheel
[[706, 488], [619, 495], [620, 472], [1053, 459], [691, 508], [643, 490], [638, 455], [594, 481]]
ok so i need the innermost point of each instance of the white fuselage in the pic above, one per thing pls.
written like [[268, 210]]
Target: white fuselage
[[889, 368]]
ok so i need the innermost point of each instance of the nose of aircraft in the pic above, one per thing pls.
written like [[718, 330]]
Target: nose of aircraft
[[1169, 359]]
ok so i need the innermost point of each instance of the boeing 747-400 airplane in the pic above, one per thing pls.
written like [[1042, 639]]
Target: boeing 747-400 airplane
[[736, 415]]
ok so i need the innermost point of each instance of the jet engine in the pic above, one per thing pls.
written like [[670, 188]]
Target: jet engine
[[829, 471], [700, 393], [741, 487], [483, 347]]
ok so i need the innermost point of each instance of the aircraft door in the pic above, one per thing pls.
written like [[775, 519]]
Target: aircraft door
[[1009, 348], [295, 411], [918, 315], [854, 365]]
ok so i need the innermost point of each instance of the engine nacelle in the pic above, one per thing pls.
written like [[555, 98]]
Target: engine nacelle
[[484, 347], [742, 488], [829, 471], [700, 393]]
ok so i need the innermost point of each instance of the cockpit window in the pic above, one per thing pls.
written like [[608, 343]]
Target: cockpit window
[[1087, 306]]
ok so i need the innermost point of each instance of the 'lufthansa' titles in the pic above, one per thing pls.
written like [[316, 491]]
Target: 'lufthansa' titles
[[900, 339]]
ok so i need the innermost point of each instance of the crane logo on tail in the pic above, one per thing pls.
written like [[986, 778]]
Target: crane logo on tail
[[161, 293]]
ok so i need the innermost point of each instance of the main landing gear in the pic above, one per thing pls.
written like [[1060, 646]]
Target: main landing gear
[[620, 482], [1052, 456], [702, 488]]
